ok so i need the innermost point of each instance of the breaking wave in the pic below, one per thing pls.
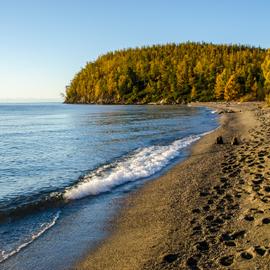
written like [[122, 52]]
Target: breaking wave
[[142, 163]]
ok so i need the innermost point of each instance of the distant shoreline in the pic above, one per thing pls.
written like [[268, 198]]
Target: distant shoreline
[[31, 101]]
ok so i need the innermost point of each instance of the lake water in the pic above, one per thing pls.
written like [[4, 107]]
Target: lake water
[[64, 167]]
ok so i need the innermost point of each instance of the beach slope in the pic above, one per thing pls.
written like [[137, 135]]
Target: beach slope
[[209, 212]]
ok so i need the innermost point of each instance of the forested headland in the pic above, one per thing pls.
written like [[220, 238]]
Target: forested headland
[[172, 74]]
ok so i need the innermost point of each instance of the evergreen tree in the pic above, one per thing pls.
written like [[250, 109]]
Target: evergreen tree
[[172, 72]]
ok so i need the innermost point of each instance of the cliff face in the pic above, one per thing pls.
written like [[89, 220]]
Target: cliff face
[[169, 74]]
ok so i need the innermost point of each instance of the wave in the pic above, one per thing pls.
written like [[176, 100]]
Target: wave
[[143, 163], [24, 206], [43, 228]]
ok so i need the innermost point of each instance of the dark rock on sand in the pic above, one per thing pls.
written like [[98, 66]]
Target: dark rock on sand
[[235, 141], [219, 140]]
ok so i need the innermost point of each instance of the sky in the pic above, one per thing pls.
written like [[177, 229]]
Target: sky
[[44, 43]]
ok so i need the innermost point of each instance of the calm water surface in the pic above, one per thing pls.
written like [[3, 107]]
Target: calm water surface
[[63, 166]]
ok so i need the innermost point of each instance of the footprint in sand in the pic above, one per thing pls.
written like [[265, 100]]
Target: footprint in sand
[[260, 250], [226, 260], [266, 220], [196, 211], [249, 218], [267, 188], [246, 255], [197, 230], [233, 236], [169, 258], [192, 263], [230, 243], [204, 193], [202, 246]]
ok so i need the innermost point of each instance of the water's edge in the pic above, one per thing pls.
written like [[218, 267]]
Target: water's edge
[[120, 207], [83, 204]]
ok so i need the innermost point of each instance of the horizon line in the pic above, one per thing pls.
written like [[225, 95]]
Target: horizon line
[[25, 100]]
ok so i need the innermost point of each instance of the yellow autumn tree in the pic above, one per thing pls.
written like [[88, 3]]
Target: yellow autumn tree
[[193, 94], [221, 81], [266, 69], [266, 74], [98, 90], [176, 72], [232, 88]]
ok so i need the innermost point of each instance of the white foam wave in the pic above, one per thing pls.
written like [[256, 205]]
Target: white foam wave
[[43, 228], [142, 163], [213, 112]]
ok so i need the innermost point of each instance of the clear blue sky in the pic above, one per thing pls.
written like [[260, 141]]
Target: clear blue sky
[[44, 43]]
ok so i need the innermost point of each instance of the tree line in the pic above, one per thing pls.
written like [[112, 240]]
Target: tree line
[[172, 73]]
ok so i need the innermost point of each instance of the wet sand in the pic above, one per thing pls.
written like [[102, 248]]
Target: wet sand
[[211, 211]]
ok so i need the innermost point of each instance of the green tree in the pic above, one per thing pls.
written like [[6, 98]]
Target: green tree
[[172, 72]]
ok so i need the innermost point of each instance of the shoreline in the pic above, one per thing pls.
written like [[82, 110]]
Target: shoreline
[[171, 224]]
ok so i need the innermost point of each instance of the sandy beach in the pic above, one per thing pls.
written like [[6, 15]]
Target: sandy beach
[[211, 211]]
